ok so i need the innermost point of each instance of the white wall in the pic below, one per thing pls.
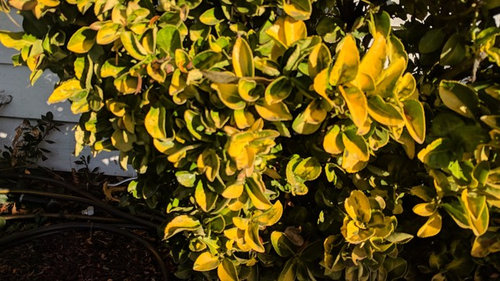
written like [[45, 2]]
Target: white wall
[[29, 102]]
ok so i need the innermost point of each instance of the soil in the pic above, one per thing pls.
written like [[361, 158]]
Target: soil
[[79, 255]]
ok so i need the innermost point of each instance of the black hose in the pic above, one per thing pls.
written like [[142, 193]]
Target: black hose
[[25, 236], [83, 200], [69, 187], [62, 216]]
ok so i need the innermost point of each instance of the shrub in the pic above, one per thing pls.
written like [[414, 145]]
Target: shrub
[[288, 139]]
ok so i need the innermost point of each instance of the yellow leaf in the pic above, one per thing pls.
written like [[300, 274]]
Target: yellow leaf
[[332, 143], [351, 162], [14, 40], [321, 85], [123, 140], [246, 89], [355, 145], [155, 122], [408, 144], [252, 237], [287, 31], [424, 209], [275, 112], [233, 190], [405, 87], [226, 271], [181, 223], [243, 59], [255, 188], [431, 227], [278, 90], [346, 64], [228, 94], [65, 90], [374, 59], [387, 82], [243, 118], [209, 163], [108, 33], [205, 198], [477, 212], [319, 59], [357, 206], [414, 117], [109, 69], [132, 45], [357, 103], [206, 262], [116, 107], [316, 111], [82, 40], [271, 216], [384, 113], [126, 84]]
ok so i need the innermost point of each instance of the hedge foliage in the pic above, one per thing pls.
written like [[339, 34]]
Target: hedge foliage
[[295, 139]]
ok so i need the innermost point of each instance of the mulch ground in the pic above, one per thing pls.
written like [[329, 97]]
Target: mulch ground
[[79, 255]]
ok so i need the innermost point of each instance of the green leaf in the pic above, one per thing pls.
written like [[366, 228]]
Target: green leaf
[[278, 90], [298, 9], [459, 98], [384, 113], [209, 18], [168, 40], [281, 244], [186, 178], [453, 51], [431, 41], [132, 45], [437, 154], [206, 59], [226, 271], [288, 272]]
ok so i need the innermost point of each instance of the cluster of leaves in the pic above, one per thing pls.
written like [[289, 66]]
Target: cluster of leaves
[[26, 145], [275, 138]]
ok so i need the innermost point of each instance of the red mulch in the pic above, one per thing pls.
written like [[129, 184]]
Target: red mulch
[[79, 255]]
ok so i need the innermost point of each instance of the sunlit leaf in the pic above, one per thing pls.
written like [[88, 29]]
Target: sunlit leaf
[[243, 59], [346, 64], [432, 227], [206, 262], [181, 223]]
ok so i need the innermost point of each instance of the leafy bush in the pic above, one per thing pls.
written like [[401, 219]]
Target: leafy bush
[[291, 134]]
